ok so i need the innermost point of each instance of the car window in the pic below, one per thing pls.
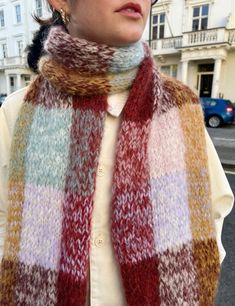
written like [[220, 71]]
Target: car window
[[213, 103], [202, 102], [206, 102], [229, 102], [2, 98]]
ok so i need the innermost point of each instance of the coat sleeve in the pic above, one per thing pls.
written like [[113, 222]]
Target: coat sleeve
[[4, 155], [222, 195], [8, 116]]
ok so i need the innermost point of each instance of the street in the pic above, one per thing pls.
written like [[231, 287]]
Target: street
[[226, 295], [224, 141]]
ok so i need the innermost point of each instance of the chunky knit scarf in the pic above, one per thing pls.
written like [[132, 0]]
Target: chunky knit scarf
[[162, 228]]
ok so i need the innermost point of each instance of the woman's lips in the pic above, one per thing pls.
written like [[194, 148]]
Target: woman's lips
[[131, 10], [130, 13]]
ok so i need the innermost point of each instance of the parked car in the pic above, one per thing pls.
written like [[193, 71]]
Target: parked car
[[2, 98], [217, 111]]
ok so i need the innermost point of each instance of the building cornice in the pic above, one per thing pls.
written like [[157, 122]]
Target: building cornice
[[197, 2], [163, 5]]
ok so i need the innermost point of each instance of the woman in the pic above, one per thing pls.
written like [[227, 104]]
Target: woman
[[115, 193]]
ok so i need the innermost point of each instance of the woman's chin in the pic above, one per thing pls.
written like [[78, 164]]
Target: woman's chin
[[127, 39], [119, 38]]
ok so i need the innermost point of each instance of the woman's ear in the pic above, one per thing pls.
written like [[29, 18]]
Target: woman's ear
[[60, 4]]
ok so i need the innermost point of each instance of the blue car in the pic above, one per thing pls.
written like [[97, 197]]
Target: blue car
[[2, 98], [217, 111]]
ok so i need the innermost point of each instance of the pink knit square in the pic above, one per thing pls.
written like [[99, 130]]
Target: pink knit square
[[166, 144]]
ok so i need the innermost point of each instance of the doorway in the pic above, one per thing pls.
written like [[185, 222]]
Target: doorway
[[206, 81], [12, 80]]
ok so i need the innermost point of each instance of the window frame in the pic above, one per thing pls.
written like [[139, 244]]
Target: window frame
[[172, 69], [38, 9], [2, 19], [20, 50], [18, 15], [158, 25], [12, 81], [200, 17], [4, 49]]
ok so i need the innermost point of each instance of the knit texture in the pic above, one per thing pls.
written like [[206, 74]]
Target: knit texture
[[88, 68], [162, 228]]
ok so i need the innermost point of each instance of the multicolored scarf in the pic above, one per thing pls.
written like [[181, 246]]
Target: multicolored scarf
[[162, 229]]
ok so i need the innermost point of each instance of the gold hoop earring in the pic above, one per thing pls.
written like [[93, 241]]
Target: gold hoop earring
[[64, 17]]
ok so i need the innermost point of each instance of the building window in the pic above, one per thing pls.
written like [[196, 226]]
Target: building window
[[18, 13], [2, 19], [200, 17], [174, 70], [27, 80], [166, 69], [12, 81], [4, 50], [38, 5], [20, 47], [170, 70], [158, 26]]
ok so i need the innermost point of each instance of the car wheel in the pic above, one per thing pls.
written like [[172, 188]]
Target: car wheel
[[214, 121]]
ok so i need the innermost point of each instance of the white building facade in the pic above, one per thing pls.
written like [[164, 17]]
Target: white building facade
[[16, 32], [194, 41]]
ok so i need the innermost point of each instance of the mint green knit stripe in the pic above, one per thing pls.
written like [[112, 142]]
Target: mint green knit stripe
[[127, 57], [48, 147]]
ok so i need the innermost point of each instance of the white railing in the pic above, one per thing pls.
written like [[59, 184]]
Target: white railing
[[14, 61], [205, 37], [231, 36], [195, 38], [167, 45]]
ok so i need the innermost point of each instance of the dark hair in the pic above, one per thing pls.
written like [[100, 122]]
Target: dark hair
[[35, 49]]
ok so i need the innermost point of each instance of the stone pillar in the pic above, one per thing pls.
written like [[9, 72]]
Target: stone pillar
[[216, 78], [184, 75], [8, 84], [18, 82]]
